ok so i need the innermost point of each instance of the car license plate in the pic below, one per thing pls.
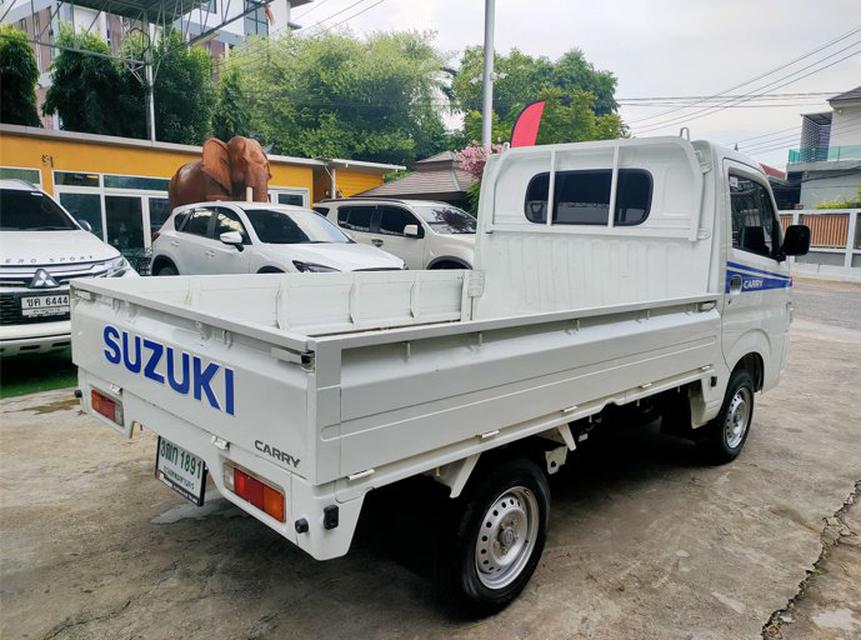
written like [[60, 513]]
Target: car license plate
[[34, 306], [181, 470]]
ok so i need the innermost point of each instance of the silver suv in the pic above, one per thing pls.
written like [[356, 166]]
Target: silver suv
[[424, 233]]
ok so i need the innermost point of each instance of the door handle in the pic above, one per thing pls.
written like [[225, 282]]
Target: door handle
[[376, 242], [210, 253], [735, 284]]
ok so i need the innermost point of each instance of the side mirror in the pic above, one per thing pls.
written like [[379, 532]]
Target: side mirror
[[86, 226], [411, 231], [797, 240], [233, 238]]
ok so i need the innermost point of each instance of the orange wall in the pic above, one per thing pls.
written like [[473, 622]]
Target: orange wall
[[48, 154]]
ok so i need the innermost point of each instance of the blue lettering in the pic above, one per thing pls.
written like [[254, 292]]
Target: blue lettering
[[176, 385], [228, 390], [152, 363], [134, 367], [112, 352], [202, 378]]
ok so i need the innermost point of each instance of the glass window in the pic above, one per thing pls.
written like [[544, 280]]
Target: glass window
[[84, 206], [394, 219], [209, 6], [447, 219], [294, 227], [22, 210], [583, 197], [124, 215], [134, 182], [754, 228], [198, 222], [69, 179], [27, 175], [324, 211], [356, 218], [180, 219], [256, 23], [227, 220], [291, 198], [159, 212]]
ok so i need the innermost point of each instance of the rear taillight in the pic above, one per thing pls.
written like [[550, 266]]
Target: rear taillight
[[106, 406], [155, 235], [263, 496]]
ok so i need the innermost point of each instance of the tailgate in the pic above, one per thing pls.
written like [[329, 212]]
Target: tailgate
[[229, 382]]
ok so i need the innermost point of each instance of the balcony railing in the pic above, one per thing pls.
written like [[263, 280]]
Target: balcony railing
[[824, 154]]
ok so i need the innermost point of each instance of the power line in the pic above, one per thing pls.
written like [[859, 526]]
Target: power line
[[814, 51], [355, 15], [710, 110], [314, 7]]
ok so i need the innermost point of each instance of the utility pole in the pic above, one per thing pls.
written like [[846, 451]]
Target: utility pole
[[487, 80], [149, 82]]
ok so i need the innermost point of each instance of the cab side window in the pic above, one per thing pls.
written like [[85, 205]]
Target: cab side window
[[754, 225], [227, 220], [394, 219], [198, 222], [356, 218]]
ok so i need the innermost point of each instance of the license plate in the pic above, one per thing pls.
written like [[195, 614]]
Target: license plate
[[56, 305], [181, 470]]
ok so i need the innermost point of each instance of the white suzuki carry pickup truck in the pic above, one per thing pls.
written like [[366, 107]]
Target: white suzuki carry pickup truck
[[42, 247], [648, 276]]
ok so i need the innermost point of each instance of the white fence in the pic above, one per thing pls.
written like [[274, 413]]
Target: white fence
[[835, 243]]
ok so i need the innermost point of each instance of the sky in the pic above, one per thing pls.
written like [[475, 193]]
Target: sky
[[655, 48]]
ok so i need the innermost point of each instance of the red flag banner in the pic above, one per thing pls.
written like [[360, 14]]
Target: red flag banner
[[525, 130]]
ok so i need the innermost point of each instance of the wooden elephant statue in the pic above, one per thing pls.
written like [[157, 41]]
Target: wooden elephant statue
[[224, 173]]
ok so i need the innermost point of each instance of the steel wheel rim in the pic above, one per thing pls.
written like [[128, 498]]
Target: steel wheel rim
[[738, 417], [506, 537]]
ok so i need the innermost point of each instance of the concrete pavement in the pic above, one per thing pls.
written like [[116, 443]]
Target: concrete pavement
[[645, 541]]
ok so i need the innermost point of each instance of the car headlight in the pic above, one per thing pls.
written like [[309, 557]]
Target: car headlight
[[312, 267], [117, 267]]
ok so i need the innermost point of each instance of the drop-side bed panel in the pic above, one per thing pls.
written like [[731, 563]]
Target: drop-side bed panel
[[399, 401]]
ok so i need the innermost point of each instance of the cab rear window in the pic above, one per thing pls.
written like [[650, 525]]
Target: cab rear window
[[583, 197]]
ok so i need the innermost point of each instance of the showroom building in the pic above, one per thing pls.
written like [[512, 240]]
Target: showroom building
[[119, 185]]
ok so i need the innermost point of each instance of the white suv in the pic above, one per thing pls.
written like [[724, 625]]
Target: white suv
[[256, 237], [426, 234], [43, 247]]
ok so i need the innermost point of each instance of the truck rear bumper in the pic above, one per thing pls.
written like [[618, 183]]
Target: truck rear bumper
[[304, 501]]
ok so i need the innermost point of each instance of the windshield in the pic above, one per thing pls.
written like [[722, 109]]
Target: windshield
[[296, 227], [31, 211], [447, 219]]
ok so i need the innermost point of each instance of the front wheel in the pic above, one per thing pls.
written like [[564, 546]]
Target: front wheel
[[727, 433], [499, 533]]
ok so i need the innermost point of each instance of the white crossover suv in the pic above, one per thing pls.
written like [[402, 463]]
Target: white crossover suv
[[426, 234], [42, 248], [257, 237]]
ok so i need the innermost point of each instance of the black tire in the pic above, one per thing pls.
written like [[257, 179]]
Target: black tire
[[723, 442], [167, 270], [460, 580]]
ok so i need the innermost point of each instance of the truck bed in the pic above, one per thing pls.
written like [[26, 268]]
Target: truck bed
[[382, 375]]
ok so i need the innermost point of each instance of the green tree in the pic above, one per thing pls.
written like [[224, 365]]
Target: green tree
[[18, 76], [91, 93], [231, 116], [184, 96], [580, 99], [334, 95]]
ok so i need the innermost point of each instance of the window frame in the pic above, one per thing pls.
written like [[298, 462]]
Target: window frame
[[346, 209], [378, 219], [776, 229], [550, 208]]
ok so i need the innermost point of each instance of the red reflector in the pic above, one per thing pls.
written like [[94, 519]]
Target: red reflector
[[103, 405], [262, 496]]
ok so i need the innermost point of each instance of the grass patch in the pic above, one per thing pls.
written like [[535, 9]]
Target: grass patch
[[34, 372]]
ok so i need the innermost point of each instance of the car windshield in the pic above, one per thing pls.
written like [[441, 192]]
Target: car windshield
[[447, 219], [274, 226], [24, 210]]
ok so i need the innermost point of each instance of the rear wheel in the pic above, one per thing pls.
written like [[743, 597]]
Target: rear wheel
[[727, 433], [166, 270], [500, 526]]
